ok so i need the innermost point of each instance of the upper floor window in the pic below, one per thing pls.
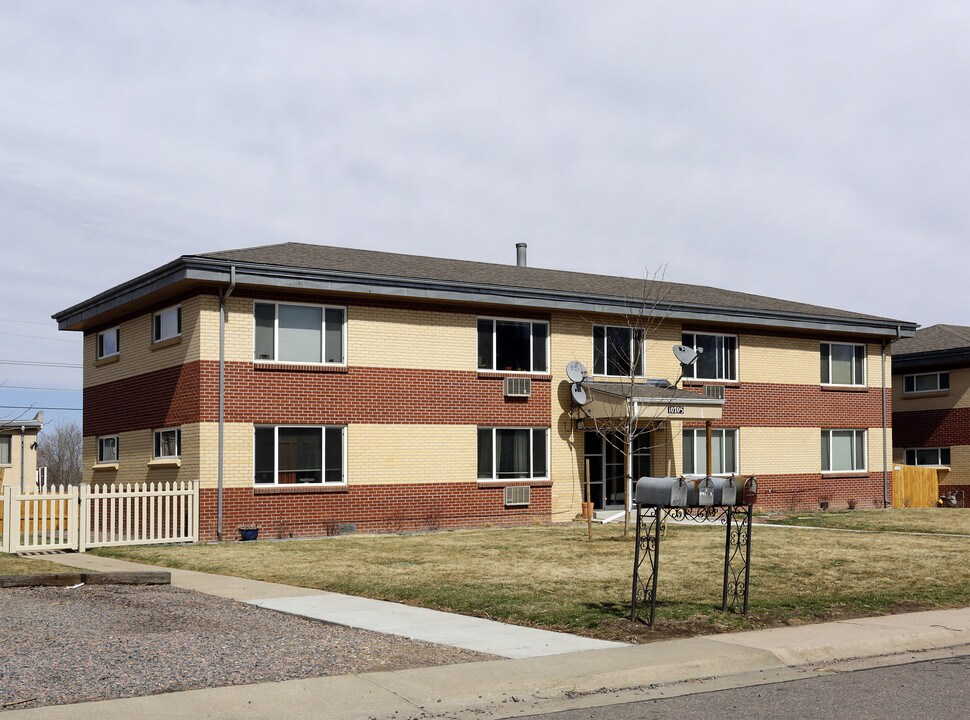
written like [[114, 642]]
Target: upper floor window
[[108, 449], [843, 364], [167, 324], [168, 443], [618, 351], [109, 342], [724, 452], [517, 345], [928, 456], [513, 453], [843, 450], [287, 455], [300, 333], [5, 450], [717, 359], [926, 382]]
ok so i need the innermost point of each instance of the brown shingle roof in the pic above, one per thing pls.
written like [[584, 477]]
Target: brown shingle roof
[[395, 265], [936, 338]]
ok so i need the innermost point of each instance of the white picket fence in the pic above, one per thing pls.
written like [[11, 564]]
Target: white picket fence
[[88, 516]]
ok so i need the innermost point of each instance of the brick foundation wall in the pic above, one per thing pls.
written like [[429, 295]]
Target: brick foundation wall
[[804, 492], [372, 508]]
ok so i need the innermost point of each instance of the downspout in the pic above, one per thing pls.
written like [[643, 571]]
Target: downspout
[[885, 463], [23, 431], [222, 395]]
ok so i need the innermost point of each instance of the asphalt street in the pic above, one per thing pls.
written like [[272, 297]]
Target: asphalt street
[[932, 690]]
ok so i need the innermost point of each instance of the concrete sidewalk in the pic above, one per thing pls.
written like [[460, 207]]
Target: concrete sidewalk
[[510, 688]]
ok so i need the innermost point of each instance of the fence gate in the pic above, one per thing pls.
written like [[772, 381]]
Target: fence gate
[[87, 516]]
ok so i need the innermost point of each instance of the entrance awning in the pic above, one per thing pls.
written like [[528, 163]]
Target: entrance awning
[[647, 402]]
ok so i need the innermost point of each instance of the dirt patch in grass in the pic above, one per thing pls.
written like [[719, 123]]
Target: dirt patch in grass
[[552, 577]]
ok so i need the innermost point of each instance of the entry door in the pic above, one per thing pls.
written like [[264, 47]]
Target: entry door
[[606, 462]]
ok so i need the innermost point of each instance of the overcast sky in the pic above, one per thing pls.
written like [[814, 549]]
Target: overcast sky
[[810, 151]]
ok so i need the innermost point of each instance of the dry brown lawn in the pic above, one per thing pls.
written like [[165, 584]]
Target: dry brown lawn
[[15, 565], [955, 521]]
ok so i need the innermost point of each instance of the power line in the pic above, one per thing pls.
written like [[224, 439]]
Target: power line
[[36, 407], [31, 387], [41, 337], [25, 322], [35, 363]]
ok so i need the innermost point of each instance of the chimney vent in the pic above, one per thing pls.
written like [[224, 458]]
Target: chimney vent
[[520, 254]]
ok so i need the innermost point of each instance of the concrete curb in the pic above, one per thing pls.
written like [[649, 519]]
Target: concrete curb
[[153, 577]]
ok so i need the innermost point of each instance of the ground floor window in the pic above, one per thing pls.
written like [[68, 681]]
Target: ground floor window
[[4, 449], [288, 454], [928, 456], [168, 443], [513, 453], [843, 450], [724, 452]]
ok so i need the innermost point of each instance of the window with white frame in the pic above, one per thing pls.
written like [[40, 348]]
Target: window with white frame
[[843, 364], [724, 451], [109, 342], [513, 453], [515, 345], [167, 324], [717, 357], [168, 443], [618, 351], [300, 455], [843, 450], [287, 332], [108, 449], [928, 456], [5, 450], [926, 382]]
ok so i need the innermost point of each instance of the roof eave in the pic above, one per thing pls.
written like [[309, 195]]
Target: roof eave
[[216, 271]]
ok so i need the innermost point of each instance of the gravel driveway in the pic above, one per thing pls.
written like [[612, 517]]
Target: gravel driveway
[[61, 645]]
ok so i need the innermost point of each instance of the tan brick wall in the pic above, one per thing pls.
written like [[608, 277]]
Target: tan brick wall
[[958, 395], [796, 361], [959, 467], [138, 355], [135, 457], [11, 470], [396, 454]]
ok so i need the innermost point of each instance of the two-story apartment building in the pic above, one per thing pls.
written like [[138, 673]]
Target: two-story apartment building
[[311, 387], [931, 404]]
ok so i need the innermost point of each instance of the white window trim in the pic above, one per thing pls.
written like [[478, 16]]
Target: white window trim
[[693, 366], [323, 337], [323, 454], [865, 454], [179, 320], [865, 365], [493, 428], [702, 433], [643, 351], [938, 449], [117, 331], [532, 360], [938, 389], [102, 438], [157, 432]]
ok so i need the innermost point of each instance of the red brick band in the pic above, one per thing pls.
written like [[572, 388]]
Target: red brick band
[[931, 428]]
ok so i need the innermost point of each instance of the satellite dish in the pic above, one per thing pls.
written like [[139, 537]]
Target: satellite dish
[[686, 355], [575, 371], [580, 396]]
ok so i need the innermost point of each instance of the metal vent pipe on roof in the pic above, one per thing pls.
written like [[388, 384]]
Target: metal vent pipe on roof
[[520, 249]]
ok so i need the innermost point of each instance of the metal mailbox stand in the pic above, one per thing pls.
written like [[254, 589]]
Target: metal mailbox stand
[[651, 523]]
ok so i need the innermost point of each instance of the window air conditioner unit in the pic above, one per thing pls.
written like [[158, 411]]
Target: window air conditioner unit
[[518, 387], [517, 495], [714, 391]]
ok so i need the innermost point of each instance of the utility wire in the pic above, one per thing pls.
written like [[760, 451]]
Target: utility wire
[[38, 407], [36, 363], [41, 337], [31, 387], [26, 322]]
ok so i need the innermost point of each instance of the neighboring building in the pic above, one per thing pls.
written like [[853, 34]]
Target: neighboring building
[[395, 392], [18, 451], [931, 404]]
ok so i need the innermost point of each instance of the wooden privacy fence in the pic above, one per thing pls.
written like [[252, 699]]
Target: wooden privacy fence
[[87, 516], [915, 487]]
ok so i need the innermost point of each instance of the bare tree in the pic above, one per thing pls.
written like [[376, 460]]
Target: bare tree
[[59, 448]]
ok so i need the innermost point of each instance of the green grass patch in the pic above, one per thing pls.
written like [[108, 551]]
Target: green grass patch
[[552, 577]]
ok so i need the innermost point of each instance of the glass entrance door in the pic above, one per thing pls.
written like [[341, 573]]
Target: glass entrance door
[[606, 462]]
